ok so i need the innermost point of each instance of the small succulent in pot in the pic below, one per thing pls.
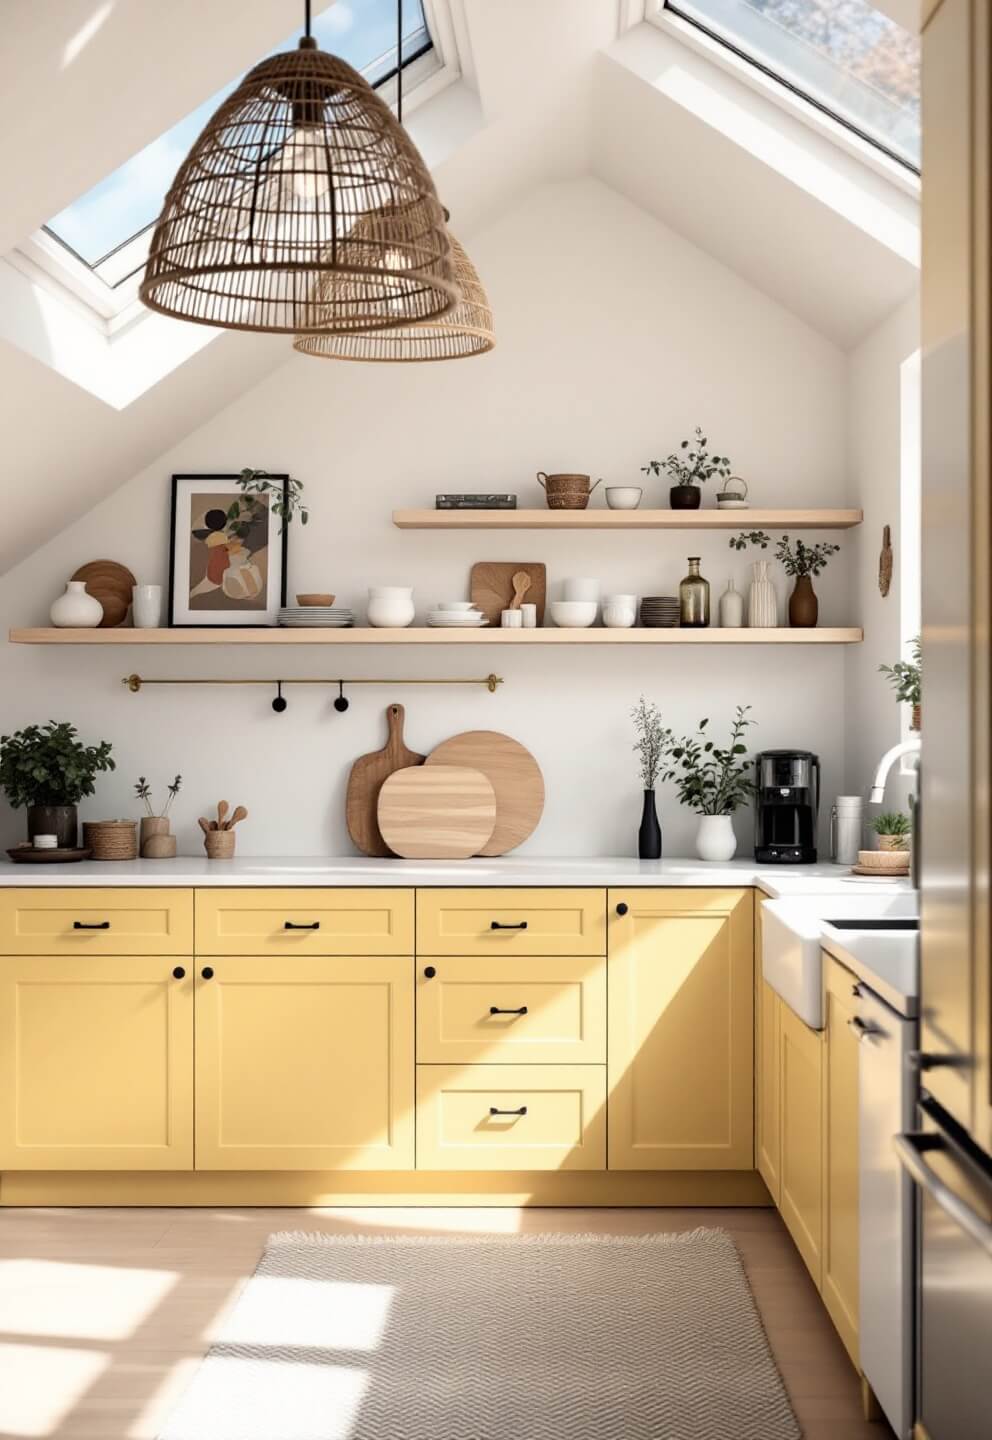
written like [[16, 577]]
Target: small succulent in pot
[[689, 468], [893, 829], [46, 770], [906, 679]]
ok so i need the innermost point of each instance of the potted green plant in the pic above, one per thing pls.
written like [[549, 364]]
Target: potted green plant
[[906, 679], [652, 742], [713, 782], [799, 560], [47, 771], [893, 830], [689, 469]]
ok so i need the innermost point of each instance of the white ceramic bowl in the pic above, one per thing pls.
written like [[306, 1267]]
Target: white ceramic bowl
[[580, 589], [390, 592], [623, 497], [574, 614], [454, 605]]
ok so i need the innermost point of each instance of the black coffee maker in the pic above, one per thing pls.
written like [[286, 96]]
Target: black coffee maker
[[787, 799]]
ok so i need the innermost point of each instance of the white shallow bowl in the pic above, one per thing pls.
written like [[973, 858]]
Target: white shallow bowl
[[623, 497], [455, 605], [574, 614]]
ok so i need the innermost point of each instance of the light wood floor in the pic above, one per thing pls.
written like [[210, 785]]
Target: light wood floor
[[105, 1313]]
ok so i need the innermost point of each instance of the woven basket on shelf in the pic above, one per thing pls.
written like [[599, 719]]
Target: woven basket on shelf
[[111, 839]]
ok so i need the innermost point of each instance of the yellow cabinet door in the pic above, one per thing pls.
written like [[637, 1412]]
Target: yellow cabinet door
[[681, 1029], [841, 1208], [304, 1064], [96, 1063], [293, 921], [522, 921], [518, 1010], [768, 1100], [96, 920], [511, 1117], [800, 1081]]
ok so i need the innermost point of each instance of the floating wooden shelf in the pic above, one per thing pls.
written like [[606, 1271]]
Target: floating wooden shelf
[[627, 519], [416, 636]]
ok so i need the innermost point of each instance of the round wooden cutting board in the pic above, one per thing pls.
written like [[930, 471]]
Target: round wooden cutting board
[[444, 813], [514, 775], [111, 584]]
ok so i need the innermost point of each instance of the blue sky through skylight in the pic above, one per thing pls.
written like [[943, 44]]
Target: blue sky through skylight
[[127, 201]]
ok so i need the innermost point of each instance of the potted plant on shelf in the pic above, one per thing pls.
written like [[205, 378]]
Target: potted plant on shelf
[[906, 679], [47, 771], [893, 830], [156, 842], [800, 561], [652, 742], [689, 470], [713, 782]]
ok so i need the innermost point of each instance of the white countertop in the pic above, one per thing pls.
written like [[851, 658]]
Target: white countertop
[[887, 961], [774, 880]]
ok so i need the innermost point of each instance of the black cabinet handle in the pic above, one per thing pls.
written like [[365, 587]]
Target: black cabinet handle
[[207, 972], [85, 925], [292, 925], [179, 973], [622, 908], [521, 1111], [495, 1010], [430, 972], [520, 925]]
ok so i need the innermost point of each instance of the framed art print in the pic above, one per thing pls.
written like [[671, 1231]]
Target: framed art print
[[227, 558]]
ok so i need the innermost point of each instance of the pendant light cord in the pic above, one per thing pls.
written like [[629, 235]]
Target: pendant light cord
[[306, 26], [399, 60]]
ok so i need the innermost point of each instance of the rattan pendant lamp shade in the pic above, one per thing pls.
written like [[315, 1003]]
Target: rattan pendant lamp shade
[[466, 330], [302, 177]]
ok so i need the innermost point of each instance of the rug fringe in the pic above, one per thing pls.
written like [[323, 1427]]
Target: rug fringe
[[707, 1234]]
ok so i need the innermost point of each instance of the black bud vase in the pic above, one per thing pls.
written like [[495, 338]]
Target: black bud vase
[[649, 835]]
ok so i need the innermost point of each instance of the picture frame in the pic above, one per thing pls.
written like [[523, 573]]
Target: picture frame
[[227, 558]]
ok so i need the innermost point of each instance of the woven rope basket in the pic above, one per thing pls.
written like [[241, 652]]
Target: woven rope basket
[[302, 175], [111, 839]]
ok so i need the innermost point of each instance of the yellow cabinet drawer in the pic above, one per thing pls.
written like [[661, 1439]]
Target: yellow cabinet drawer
[[93, 920], [292, 921], [539, 1010], [511, 922], [511, 1117]]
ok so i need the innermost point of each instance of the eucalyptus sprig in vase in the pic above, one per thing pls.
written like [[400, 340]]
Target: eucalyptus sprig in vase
[[653, 741], [802, 562], [714, 781]]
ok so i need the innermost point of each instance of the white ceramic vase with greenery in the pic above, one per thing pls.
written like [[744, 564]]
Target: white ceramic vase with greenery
[[713, 781]]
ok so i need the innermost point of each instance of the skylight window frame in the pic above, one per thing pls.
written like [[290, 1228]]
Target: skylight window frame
[[664, 15], [46, 259]]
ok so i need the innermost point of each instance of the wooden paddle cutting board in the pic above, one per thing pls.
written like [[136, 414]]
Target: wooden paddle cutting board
[[492, 587], [365, 782], [441, 812], [514, 775]]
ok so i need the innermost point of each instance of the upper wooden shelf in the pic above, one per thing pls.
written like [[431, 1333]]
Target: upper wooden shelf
[[425, 636], [627, 519]]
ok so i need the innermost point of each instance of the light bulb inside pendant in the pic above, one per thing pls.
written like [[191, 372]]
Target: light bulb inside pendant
[[305, 161]]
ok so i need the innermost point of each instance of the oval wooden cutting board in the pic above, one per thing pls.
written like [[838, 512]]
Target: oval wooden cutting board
[[514, 775], [446, 812], [365, 782]]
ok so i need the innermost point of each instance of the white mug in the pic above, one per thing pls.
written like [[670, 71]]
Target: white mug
[[45, 842], [529, 613], [146, 606]]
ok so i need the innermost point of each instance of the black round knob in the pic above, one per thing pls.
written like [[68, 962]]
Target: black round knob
[[430, 972], [622, 908], [341, 704], [279, 704], [179, 973], [207, 972]]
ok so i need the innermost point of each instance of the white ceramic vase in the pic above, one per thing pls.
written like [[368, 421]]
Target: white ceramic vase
[[762, 604], [146, 606], [76, 609], [731, 608], [715, 839], [391, 607]]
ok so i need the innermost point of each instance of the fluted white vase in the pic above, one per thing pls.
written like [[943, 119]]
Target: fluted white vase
[[762, 600], [77, 609]]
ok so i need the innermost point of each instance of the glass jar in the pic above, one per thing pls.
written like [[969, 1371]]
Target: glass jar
[[694, 597]]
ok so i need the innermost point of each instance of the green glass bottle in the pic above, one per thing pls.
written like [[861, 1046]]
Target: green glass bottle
[[694, 597]]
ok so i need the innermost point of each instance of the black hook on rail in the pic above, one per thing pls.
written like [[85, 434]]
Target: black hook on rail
[[279, 704], [341, 703]]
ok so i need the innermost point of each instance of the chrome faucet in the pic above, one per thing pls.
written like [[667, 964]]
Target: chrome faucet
[[907, 747]]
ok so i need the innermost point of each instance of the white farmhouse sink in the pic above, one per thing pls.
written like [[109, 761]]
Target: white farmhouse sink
[[792, 935]]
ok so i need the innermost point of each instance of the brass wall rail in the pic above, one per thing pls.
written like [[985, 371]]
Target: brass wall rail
[[135, 682]]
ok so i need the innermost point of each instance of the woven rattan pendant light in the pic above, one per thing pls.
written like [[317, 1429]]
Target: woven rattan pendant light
[[303, 176]]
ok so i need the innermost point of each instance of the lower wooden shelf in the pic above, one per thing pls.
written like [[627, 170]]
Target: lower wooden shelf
[[842, 635]]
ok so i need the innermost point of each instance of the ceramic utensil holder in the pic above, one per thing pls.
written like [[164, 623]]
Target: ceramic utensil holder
[[219, 844]]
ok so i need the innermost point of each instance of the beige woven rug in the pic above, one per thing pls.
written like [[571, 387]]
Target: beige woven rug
[[539, 1337]]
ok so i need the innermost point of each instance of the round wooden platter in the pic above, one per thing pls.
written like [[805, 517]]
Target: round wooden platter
[[111, 584], [446, 812], [514, 775]]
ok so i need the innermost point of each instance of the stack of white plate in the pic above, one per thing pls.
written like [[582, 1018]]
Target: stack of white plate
[[467, 618], [333, 617]]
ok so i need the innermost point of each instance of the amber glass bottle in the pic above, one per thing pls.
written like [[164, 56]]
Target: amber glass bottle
[[694, 597]]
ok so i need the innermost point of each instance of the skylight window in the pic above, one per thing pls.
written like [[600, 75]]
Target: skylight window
[[844, 56], [104, 226]]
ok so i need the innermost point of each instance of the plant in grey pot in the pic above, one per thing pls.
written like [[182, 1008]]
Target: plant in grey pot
[[651, 745], [688, 469], [47, 771], [714, 782]]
